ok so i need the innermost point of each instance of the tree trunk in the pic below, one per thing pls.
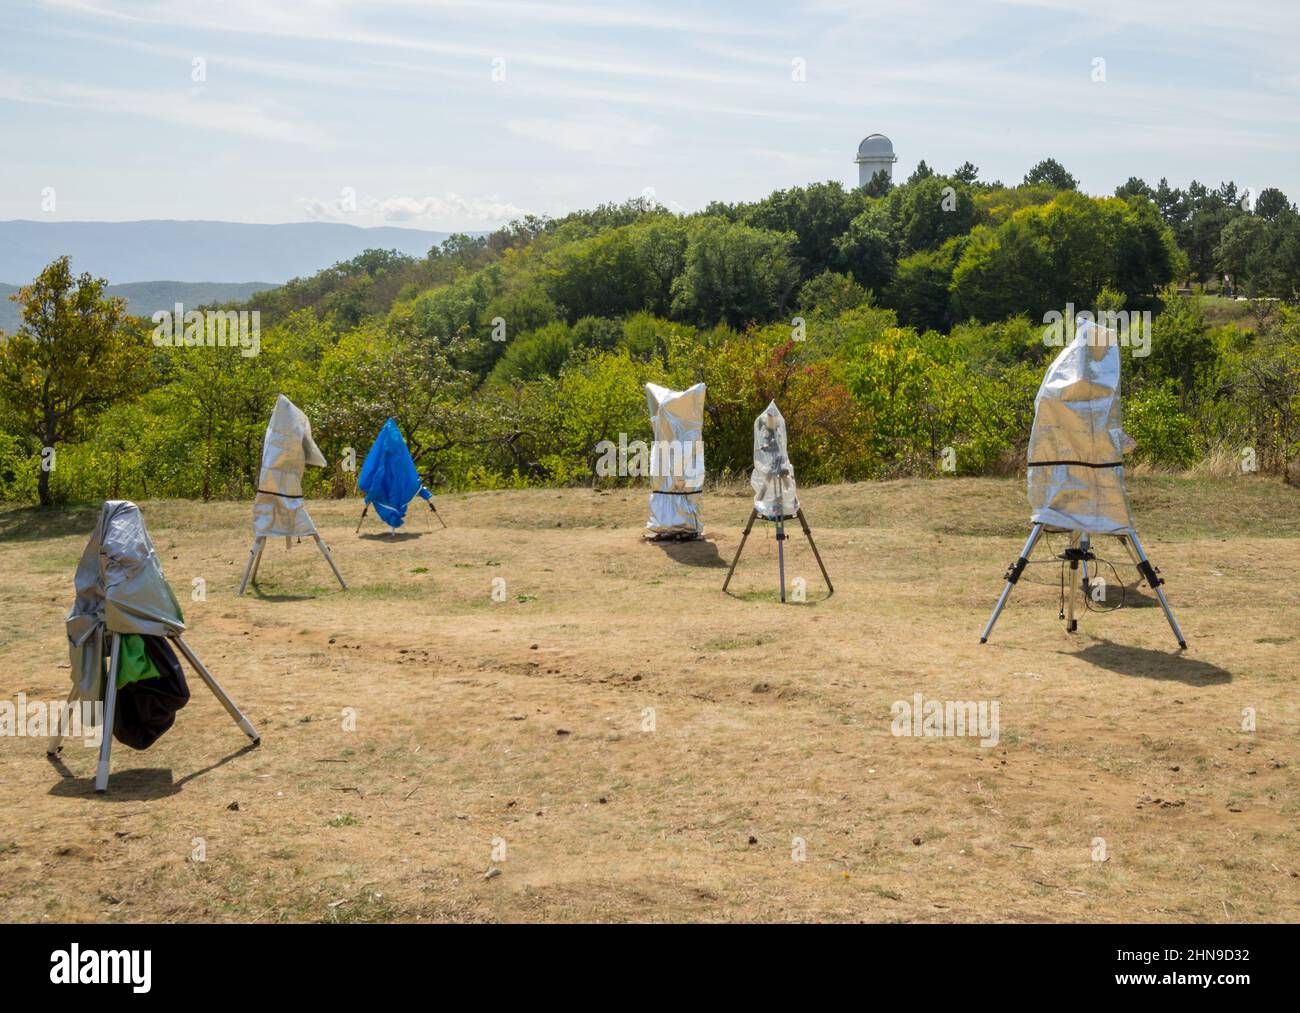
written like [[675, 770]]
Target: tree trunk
[[43, 479]]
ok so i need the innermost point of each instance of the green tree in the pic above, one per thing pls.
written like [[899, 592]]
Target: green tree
[[534, 355], [922, 171], [734, 274], [868, 248], [1163, 432], [1050, 172], [928, 213], [817, 215], [602, 276], [1272, 203], [879, 184], [1182, 348], [920, 289], [75, 354], [830, 294]]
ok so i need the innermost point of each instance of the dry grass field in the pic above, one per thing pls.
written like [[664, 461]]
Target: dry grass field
[[650, 749]]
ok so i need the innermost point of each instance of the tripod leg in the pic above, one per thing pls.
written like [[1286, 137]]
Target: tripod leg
[[740, 548], [1128, 547], [320, 544], [245, 725], [1013, 575], [63, 721], [436, 514], [110, 706], [1154, 580], [254, 554], [362, 518], [780, 552], [1067, 611], [816, 555], [257, 563]]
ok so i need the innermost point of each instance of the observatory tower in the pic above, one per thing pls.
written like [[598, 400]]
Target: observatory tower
[[876, 152]]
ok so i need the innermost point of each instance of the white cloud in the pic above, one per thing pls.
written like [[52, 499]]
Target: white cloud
[[188, 108], [448, 211]]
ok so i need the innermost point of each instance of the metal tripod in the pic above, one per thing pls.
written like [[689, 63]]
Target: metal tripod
[[753, 515], [255, 559], [780, 516], [365, 508], [110, 707], [1078, 555]]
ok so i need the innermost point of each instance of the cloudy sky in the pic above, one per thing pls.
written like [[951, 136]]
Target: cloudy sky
[[466, 113]]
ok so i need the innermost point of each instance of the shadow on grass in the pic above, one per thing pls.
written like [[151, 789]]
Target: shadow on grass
[[696, 552], [1146, 663], [136, 784], [29, 524], [389, 536], [261, 595], [774, 596]]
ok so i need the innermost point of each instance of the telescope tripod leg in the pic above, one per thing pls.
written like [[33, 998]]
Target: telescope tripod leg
[[1078, 540], [780, 552], [320, 544], [55, 742], [1013, 575], [245, 725], [1154, 580], [740, 548], [110, 709], [254, 560], [816, 555]]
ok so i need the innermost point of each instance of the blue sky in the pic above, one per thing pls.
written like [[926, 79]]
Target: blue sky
[[395, 103]]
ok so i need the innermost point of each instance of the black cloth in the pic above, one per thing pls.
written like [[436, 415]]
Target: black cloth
[[147, 708]]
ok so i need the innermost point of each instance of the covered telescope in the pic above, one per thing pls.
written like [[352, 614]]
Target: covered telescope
[[775, 497], [125, 612], [278, 508], [772, 478], [676, 461], [389, 478], [120, 589], [1076, 474], [287, 449], [1076, 448]]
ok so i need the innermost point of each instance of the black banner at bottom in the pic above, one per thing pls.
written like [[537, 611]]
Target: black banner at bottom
[[340, 962]]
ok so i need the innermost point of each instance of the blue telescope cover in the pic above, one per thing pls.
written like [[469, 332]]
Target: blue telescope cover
[[388, 476]]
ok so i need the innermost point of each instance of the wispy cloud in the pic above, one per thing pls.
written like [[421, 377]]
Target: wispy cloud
[[449, 210], [191, 109]]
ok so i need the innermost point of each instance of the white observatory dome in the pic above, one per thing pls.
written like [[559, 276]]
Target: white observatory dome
[[876, 152]]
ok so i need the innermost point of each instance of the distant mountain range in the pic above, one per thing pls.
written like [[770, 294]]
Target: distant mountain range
[[194, 251], [143, 297]]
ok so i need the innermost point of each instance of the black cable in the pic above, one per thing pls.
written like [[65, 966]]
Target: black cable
[[1123, 591]]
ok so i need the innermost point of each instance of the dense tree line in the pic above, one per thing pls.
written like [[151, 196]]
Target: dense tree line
[[890, 322]]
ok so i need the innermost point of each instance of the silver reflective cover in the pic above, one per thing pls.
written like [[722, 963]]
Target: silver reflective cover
[[773, 477], [286, 451], [120, 589], [676, 460], [1076, 448]]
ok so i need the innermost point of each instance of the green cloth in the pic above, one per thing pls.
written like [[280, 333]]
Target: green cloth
[[135, 664]]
